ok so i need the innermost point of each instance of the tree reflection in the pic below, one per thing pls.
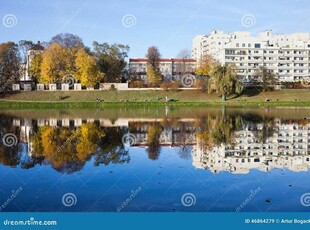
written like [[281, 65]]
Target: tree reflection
[[111, 149], [219, 130], [153, 135], [67, 149]]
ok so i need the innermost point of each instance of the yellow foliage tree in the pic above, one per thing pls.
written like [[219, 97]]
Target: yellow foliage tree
[[87, 71], [206, 65], [57, 62], [88, 138], [53, 64], [153, 76], [35, 67]]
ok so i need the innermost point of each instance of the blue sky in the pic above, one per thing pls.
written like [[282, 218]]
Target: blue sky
[[170, 25]]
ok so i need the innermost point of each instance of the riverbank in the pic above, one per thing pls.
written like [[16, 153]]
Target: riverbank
[[89, 99]]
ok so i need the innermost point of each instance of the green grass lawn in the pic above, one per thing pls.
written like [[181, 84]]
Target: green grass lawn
[[183, 97]]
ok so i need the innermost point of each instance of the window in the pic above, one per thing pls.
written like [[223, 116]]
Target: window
[[243, 45], [249, 45], [237, 44], [257, 45]]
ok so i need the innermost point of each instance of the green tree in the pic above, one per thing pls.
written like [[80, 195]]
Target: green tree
[[111, 60], [226, 80], [87, 70], [153, 76], [265, 77]]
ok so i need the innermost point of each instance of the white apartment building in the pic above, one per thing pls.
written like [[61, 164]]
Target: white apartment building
[[289, 147], [287, 55], [170, 68]]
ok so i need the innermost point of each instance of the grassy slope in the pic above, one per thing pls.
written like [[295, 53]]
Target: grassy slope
[[189, 97]]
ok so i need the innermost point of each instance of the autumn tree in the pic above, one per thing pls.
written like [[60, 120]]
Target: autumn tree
[[265, 77], [206, 65], [54, 65], [35, 67], [226, 81], [9, 64], [57, 62], [87, 71], [182, 66], [68, 40], [24, 46], [111, 60], [153, 57], [153, 76]]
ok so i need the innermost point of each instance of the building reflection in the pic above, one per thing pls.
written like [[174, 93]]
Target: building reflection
[[225, 144], [287, 148]]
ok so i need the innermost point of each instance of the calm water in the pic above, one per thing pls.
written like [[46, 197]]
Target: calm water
[[150, 160]]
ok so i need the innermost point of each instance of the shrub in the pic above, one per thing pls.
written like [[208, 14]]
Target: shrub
[[170, 85], [137, 84], [202, 84], [112, 87]]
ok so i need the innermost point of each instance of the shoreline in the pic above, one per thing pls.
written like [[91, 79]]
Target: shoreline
[[150, 98], [94, 105]]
